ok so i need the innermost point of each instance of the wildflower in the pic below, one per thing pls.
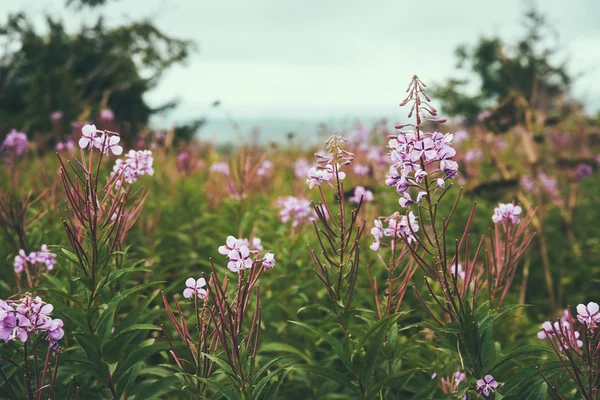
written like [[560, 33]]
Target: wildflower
[[26, 316], [15, 142], [459, 377], [583, 170], [361, 170], [487, 385], [457, 271], [68, 145], [107, 114], [297, 209], [316, 176], [89, 137], [411, 152], [110, 143], [565, 335], [507, 213], [231, 243], [20, 261], [56, 115], [239, 260], [441, 183], [589, 314], [361, 194], [473, 155], [195, 287], [135, 164], [268, 260], [221, 167], [398, 227], [265, 169]]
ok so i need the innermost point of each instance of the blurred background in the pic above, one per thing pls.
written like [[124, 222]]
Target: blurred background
[[270, 68]]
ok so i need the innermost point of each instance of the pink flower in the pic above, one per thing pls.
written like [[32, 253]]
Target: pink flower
[[56, 115], [268, 260], [135, 164], [221, 167], [297, 209], [107, 114], [361, 194], [15, 142], [195, 287], [230, 244], [589, 314], [487, 385], [361, 170], [507, 213], [239, 260], [316, 176], [456, 270]]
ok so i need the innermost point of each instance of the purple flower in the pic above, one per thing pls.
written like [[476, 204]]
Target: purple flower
[[297, 209], [459, 377], [56, 115], [405, 200], [268, 260], [361, 194], [583, 170], [231, 243], [456, 270], [239, 260], [487, 385], [135, 164], [589, 314], [13, 326], [398, 227], [15, 142], [55, 330], [562, 331], [195, 287], [507, 213], [221, 167], [107, 114], [361, 170], [265, 169], [316, 176]]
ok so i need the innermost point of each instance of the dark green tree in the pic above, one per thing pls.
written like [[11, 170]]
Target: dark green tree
[[79, 73], [523, 82]]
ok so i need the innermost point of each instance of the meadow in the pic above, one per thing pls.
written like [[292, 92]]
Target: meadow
[[424, 261]]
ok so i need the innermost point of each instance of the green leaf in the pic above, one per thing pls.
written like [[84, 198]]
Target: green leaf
[[330, 374]]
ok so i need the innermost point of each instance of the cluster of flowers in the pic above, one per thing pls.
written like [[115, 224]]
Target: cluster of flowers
[[296, 209], [450, 384], [398, 227], [15, 142], [361, 194], [27, 316], [135, 164], [44, 256], [412, 155], [548, 184], [266, 168], [320, 174], [241, 252], [562, 330], [220, 167], [68, 145], [507, 213], [94, 138]]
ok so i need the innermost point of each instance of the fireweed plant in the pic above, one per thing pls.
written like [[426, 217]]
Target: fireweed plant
[[108, 343], [421, 172], [217, 350]]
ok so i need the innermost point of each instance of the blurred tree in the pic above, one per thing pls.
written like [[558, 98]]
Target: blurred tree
[[81, 73], [523, 82]]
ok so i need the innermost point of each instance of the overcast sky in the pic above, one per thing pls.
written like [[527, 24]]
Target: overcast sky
[[319, 59]]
